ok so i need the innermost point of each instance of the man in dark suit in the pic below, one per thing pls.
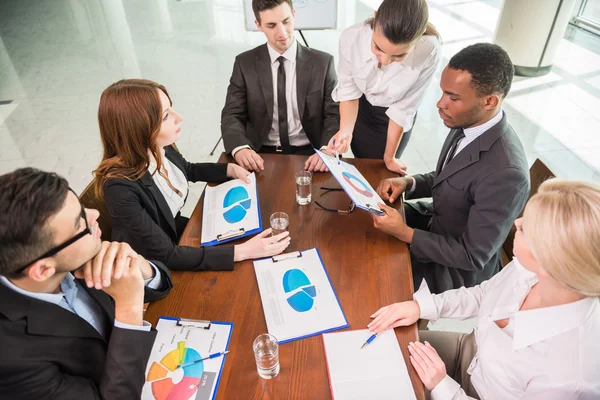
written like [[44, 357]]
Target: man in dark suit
[[279, 96], [71, 306], [479, 187]]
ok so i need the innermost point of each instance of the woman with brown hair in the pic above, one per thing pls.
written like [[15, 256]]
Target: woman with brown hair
[[385, 66], [144, 180]]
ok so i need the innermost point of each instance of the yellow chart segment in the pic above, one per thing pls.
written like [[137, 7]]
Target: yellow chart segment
[[182, 351], [156, 372], [171, 360]]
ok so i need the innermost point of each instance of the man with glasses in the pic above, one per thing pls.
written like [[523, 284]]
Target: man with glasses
[[71, 306]]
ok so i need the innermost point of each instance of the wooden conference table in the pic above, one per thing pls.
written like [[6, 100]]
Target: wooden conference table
[[368, 269]]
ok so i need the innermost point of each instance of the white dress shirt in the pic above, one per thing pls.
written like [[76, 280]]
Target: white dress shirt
[[400, 86], [177, 179], [74, 298], [550, 353], [295, 131]]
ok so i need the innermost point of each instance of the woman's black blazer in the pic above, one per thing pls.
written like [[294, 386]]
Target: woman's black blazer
[[141, 217]]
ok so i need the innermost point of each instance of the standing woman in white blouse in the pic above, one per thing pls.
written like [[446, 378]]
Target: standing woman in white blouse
[[538, 319], [385, 66], [144, 181]]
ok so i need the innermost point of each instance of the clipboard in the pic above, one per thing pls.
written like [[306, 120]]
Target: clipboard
[[297, 296], [353, 183], [179, 343], [226, 234]]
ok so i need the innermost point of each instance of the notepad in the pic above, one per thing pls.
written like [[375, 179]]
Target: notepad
[[377, 371]]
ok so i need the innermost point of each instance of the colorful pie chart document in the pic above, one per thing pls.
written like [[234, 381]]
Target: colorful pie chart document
[[174, 371], [297, 297], [354, 184], [231, 210], [377, 371]]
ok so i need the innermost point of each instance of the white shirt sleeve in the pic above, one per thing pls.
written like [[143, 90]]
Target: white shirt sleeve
[[413, 186], [145, 327], [448, 389], [462, 303], [403, 111], [156, 280], [345, 89], [238, 149]]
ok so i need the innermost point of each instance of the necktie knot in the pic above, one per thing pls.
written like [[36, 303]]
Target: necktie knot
[[280, 59]]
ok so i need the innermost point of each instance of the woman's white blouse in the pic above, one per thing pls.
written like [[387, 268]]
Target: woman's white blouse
[[400, 86], [177, 179], [550, 353]]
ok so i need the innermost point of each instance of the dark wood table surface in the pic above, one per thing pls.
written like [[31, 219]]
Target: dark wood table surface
[[368, 269]]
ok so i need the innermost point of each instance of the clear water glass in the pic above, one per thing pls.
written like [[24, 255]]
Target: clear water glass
[[280, 222], [266, 353], [303, 187]]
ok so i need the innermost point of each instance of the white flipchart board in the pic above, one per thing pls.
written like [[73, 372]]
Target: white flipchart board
[[310, 14]]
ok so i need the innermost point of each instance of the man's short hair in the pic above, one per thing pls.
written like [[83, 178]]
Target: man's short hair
[[490, 67], [28, 198], [262, 5]]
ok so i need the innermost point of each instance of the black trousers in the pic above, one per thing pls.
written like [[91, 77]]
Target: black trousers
[[370, 132]]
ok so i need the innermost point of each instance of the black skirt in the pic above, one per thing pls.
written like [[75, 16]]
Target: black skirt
[[370, 132]]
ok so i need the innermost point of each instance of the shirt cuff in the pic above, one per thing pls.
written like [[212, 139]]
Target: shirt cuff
[[156, 281], [144, 328], [238, 149], [404, 118], [345, 93], [413, 186], [426, 303], [446, 389]]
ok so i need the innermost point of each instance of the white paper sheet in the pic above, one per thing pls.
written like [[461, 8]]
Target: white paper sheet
[[176, 345], [227, 208], [351, 180], [377, 371], [297, 297]]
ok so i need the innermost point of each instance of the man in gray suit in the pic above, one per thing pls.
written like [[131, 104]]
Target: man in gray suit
[[279, 96], [479, 187]]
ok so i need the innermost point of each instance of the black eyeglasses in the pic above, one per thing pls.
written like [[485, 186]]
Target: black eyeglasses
[[327, 190], [53, 251]]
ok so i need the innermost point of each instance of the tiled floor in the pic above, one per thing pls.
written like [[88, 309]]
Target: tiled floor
[[57, 56]]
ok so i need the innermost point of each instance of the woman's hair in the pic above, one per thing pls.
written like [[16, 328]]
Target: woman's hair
[[129, 116], [562, 229], [403, 21]]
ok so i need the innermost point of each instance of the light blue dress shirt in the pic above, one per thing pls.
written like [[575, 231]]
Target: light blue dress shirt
[[74, 298]]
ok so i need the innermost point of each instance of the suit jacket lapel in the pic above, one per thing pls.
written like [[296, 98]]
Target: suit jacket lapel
[[43, 318], [163, 207], [265, 77], [303, 74], [471, 153]]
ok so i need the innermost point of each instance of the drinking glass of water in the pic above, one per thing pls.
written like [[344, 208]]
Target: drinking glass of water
[[266, 353], [280, 222], [303, 184]]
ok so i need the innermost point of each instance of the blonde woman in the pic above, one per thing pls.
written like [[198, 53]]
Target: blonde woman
[[538, 319]]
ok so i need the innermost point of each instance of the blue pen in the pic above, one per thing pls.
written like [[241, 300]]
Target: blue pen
[[215, 355], [336, 152], [369, 340]]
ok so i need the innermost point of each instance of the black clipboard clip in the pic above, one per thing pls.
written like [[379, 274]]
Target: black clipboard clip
[[282, 257], [375, 209], [193, 323], [231, 234]]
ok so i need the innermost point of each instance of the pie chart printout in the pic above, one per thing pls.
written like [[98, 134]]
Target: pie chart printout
[[172, 383], [300, 289], [357, 184], [236, 204]]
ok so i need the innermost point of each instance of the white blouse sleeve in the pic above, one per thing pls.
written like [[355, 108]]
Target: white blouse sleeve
[[345, 89], [403, 111]]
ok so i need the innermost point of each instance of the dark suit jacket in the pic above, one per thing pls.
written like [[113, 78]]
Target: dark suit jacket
[[141, 217], [476, 199], [47, 352], [248, 113]]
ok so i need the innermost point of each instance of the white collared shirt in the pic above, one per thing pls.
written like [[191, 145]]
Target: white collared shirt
[[473, 133], [177, 179], [550, 353], [400, 86]]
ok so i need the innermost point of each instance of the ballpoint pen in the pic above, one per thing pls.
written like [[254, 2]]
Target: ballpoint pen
[[215, 355], [369, 340], [336, 153]]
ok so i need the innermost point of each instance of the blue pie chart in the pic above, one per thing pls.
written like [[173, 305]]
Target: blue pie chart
[[302, 300], [236, 204]]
